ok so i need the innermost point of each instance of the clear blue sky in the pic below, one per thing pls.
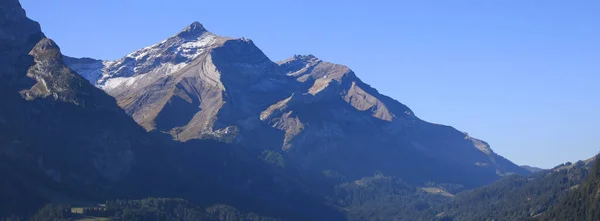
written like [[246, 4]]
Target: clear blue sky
[[523, 75]]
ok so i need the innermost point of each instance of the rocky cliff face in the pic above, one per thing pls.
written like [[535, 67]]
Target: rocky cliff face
[[318, 114]]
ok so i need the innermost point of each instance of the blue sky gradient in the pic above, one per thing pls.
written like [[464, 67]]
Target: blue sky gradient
[[522, 75]]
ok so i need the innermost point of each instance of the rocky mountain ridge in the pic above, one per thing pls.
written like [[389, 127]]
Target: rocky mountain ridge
[[320, 115]]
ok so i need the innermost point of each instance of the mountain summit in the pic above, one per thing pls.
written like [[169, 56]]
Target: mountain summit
[[318, 115], [193, 31], [145, 65]]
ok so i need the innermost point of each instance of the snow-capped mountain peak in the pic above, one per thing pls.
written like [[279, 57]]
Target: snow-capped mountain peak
[[164, 58]]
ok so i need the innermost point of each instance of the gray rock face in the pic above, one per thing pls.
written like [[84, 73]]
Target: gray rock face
[[18, 35], [321, 115]]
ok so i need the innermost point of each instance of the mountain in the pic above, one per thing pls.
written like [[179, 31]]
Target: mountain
[[175, 86], [58, 131], [240, 137], [532, 169], [319, 115], [49, 112], [63, 140]]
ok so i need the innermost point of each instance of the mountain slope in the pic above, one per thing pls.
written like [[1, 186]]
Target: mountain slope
[[582, 203], [51, 118], [345, 115], [61, 137], [197, 85], [518, 197]]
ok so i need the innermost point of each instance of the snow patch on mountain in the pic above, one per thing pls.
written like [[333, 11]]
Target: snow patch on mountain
[[164, 58], [158, 60]]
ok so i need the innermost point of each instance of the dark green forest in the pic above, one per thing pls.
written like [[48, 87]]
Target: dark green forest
[[150, 209], [516, 197], [555, 194], [582, 203]]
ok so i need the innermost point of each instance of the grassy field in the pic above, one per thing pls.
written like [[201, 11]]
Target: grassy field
[[79, 210]]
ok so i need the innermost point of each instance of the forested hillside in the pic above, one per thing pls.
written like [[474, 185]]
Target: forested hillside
[[518, 197], [150, 209], [582, 203]]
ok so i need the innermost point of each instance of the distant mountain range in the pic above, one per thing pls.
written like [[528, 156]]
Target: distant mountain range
[[319, 115]]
